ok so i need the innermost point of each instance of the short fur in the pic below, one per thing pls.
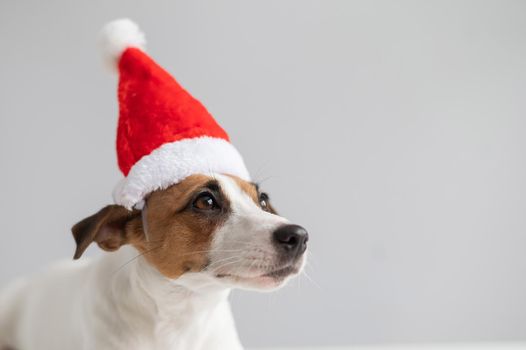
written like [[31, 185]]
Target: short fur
[[166, 281]]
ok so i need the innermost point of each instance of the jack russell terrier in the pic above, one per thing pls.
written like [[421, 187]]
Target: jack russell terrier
[[187, 227]]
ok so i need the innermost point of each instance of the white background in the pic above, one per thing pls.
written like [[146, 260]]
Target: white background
[[393, 130]]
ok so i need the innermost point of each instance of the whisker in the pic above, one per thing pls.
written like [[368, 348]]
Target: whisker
[[310, 279], [226, 264], [259, 171], [238, 269], [215, 263], [214, 250], [246, 245], [252, 264], [259, 182], [136, 257]]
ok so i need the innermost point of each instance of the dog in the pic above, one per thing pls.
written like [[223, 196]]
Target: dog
[[187, 226], [165, 281]]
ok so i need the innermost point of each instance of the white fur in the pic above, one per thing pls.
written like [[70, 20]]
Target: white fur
[[172, 162], [245, 241], [121, 302], [101, 305], [119, 35]]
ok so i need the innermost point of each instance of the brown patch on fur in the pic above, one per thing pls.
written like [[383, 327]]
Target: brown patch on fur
[[107, 227], [251, 189], [178, 237], [247, 187]]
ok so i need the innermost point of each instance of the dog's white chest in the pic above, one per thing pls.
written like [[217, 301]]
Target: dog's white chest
[[97, 308]]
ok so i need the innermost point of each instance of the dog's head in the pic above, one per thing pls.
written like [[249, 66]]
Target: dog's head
[[219, 226]]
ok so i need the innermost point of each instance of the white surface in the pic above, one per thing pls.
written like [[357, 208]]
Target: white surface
[[479, 346]]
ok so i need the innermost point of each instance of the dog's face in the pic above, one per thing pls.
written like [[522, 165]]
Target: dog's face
[[218, 226]]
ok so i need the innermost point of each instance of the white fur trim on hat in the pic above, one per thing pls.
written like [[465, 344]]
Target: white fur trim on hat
[[172, 162], [119, 35]]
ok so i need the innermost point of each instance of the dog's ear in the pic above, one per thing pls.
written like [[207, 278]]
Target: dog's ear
[[108, 228]]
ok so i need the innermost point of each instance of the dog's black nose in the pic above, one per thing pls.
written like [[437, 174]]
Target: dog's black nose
[[292, 239]]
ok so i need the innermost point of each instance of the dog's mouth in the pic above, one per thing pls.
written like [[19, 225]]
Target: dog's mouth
[[283, 272], [274, 275], [259, 274]]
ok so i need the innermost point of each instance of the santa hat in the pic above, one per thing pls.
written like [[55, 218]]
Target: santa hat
[[164, 134]]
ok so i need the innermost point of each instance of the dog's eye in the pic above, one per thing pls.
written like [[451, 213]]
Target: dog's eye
[[205, 201], [263, 201]]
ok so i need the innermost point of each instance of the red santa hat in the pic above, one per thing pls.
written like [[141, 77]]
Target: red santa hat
[[163, 134]]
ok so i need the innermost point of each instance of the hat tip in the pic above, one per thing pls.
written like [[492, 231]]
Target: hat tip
[[117, 36]]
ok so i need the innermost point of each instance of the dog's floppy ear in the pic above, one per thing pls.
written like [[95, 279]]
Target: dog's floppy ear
[[107, 227]]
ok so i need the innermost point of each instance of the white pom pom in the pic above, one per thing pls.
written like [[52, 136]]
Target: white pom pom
[[119, 35]]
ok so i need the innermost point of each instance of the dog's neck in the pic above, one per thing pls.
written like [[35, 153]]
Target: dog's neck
[[146, 300]]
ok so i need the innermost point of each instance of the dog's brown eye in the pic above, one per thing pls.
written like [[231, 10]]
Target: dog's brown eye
[[263, 201], [205, 201]]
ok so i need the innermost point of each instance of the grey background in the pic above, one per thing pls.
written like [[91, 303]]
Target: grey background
[[393, 130]]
